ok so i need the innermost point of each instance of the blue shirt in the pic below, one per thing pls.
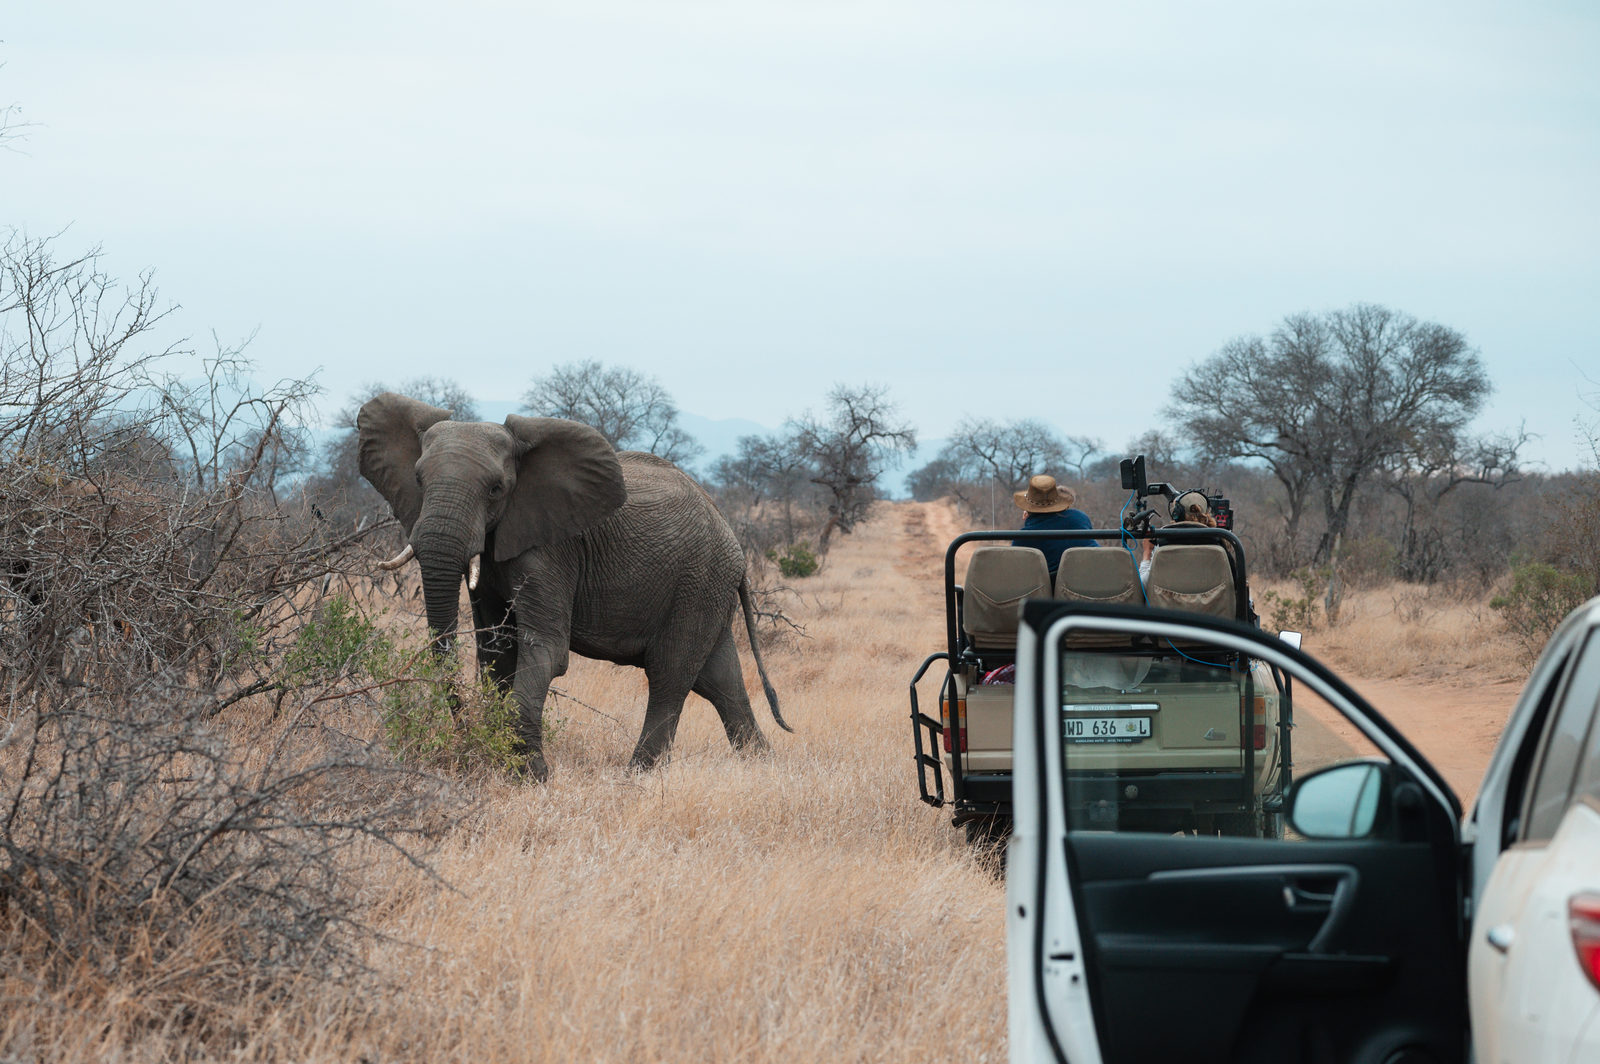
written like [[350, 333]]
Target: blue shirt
[[1052, 548]]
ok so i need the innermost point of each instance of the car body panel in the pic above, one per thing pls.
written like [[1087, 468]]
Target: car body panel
[[1524, 1000]]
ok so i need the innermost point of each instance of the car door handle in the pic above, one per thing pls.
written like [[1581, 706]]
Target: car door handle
[[1299, 899], [1326, 890], [1329, 897], [1500, 936]]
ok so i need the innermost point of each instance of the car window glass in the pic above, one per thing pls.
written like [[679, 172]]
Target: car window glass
[[1553, 779], [1185, 739], [1588, 676]]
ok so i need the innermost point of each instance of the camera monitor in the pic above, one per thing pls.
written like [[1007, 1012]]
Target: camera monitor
[[1133, 474]]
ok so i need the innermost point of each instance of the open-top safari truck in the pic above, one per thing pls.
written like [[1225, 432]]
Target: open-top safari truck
[[1162, 738]]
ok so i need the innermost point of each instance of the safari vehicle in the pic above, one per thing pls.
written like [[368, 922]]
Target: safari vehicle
[[1379, 928], [1163, 733]]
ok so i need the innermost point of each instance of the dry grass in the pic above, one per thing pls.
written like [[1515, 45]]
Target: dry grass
[[1426, 634], [799, 906]]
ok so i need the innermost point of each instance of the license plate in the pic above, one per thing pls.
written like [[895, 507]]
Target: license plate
[[1106, 729]]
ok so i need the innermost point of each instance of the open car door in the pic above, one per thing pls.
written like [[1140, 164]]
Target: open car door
[[1341, 942]]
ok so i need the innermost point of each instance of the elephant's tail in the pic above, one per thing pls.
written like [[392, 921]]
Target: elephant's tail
[[755, 650]]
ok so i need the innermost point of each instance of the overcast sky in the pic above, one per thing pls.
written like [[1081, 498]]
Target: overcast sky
[[1011, 209]]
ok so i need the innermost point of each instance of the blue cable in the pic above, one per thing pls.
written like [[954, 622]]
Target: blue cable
[[1123, 530]]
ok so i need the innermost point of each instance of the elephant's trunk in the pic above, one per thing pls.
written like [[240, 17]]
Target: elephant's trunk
[[441, 591], [442, 550]]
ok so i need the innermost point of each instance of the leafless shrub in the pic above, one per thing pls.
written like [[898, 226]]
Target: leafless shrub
[[150, 579], [139, 521], [141, 849]]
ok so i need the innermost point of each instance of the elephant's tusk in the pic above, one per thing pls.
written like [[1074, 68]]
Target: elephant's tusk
[[399, 559], [472, 572]]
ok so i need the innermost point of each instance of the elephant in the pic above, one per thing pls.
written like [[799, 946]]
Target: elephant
[[567, 546]]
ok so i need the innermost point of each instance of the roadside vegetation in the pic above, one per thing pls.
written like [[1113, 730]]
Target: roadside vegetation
[[1343, 441], [244, 813]]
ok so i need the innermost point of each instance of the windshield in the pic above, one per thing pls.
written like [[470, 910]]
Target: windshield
[[1186, 738]]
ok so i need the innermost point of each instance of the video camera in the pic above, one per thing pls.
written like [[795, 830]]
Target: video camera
[[1133, 479]]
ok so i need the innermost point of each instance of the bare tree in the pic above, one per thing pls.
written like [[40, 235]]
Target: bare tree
[[1327, 401], [437, 391], [337, 488], [11, 124], [629, 408], [849, 446], [1573, 538], [765, 468], [985, 460], [217, 423], [70, 339], [1431, 470], [1589, 427]]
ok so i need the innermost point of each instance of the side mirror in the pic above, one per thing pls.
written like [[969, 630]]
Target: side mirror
[[1338, 802], [1292, 638]]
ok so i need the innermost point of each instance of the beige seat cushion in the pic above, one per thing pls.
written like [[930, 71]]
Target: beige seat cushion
[[998, 579], [1192, 576], [1099, 574]]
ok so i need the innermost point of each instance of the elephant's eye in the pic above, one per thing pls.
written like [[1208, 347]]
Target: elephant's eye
[[497, 489]]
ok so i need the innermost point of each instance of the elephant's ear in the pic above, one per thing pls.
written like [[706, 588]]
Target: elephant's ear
[[390, 429], [568, 479]]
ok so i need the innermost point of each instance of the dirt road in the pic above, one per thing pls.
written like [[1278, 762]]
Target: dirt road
[[1454, 727]]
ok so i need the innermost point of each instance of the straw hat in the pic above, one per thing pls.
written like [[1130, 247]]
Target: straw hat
[[1044, 496]]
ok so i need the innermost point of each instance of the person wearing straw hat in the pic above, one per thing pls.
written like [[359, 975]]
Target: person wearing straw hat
[[1049, 505]]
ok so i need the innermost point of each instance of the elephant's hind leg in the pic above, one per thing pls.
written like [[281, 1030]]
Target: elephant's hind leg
[[667, 692], [721, 682]]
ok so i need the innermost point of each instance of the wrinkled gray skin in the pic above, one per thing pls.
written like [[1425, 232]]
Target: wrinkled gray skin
[[619, 557]]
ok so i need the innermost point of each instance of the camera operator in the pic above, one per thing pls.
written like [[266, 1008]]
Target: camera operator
[[1192, 508]]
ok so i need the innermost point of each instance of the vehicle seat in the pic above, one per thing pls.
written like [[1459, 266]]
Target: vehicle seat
[[1192, 576], [1105, 575], [998, 579]]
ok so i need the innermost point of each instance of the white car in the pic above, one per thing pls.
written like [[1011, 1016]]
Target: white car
[[1379, 929]]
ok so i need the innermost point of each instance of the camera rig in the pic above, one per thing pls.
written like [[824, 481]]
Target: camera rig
[[1133, 479]]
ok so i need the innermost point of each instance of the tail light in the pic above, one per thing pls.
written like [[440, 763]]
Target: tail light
[[959, 728], [1258, 730], [1583, 917]]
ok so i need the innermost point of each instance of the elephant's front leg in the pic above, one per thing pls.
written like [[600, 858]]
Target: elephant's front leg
[[538, 663], [495, 628]]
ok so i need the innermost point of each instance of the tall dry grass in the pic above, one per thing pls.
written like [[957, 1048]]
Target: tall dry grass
[[1429, 634], [796, 907], [800, 906]]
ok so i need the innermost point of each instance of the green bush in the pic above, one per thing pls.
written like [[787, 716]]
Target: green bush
[[797, 560], [421, 724], [337, 640], [1291, 612], [1539, 597], [427, 714]]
